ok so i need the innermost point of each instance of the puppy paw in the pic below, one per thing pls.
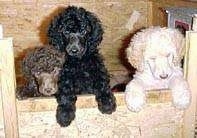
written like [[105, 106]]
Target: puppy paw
[[107, 105], [181, 99], [181, 93], [135, 97], [64, 116], [20, 96], [133, 102]]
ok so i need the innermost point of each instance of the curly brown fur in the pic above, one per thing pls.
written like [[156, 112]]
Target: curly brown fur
[[47, 82], [41, 60], [30, 89]]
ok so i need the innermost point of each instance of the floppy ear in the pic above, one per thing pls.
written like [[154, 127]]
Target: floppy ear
[[55, 33], [96, 33], [56, 71], [135, 54]]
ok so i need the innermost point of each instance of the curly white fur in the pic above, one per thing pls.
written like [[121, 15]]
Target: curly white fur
[[156, 54]]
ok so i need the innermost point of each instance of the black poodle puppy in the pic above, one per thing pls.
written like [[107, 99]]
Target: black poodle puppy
[[78, 33]]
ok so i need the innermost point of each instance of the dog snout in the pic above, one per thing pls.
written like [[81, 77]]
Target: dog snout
[[48, 90], [163, 76], [74, 50]]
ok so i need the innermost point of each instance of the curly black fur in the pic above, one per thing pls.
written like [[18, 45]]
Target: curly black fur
[[79, 32]]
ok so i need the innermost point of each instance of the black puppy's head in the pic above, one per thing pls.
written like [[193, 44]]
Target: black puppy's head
[[75, 31], [75, 45]]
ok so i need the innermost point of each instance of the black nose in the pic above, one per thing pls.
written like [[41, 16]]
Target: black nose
[[74, 50], [163, 76], [48, 90]]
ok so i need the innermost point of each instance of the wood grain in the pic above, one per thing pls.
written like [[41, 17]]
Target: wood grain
[[8, 83], [191, 76], [87, 101]]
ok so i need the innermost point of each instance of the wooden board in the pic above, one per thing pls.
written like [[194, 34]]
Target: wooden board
[[154, 121], [8, 83], [191, 75], [86, 101]]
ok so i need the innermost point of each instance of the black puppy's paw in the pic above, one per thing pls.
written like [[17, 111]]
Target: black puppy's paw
[[107, 105], [64, 116]]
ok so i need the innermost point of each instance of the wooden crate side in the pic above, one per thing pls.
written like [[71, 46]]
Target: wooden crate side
[[191, 75], [8, 83], [154, 121], [87, 101]]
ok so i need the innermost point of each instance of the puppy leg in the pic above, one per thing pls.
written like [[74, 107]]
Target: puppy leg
[[30, 89], [106, 102], [66, 100], [66, 109], [180, 92], [135, 96], [105, 98]]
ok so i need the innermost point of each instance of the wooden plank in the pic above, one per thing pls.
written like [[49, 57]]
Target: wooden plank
[[191, 75], [1, 32], [157, 121], [86, 101], [8, 83], [150, 13]]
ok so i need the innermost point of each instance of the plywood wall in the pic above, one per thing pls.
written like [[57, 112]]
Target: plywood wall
[[152, 122], [26, 21], [158, 119]]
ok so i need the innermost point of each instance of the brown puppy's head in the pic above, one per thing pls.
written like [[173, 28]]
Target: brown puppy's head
[[48, 82]]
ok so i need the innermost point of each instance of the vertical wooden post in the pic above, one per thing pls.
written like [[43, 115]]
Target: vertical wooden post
[[8, 83], [1, 32], [191, 76]]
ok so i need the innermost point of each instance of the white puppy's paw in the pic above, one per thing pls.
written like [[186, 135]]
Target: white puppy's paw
[[134, 103], [181, 99], [135, 97], [181, 94]]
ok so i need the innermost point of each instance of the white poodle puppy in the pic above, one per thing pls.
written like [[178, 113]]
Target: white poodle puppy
[[156, 53]]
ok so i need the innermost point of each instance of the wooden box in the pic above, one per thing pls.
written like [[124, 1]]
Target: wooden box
[[35, 117]]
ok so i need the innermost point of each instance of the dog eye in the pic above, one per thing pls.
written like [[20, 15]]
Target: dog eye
[[152, 58], [168, 55], [82, 40], [83, 32], [65, 33], [37, 74]]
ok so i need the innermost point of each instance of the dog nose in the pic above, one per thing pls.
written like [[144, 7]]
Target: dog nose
[[48, 90], [164, 76], [74, 50]]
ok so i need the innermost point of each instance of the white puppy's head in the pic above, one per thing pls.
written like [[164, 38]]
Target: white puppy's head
[[157, 49]]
